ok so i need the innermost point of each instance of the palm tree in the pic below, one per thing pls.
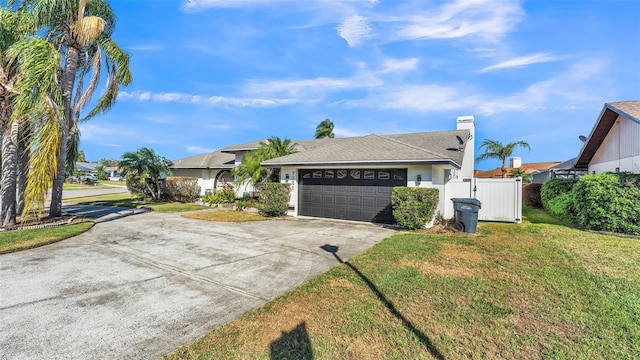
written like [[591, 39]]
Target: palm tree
[[496, 150], [250, 168], [145, 168], [19, 101], [519, 172], [325, 129], [82, 31]]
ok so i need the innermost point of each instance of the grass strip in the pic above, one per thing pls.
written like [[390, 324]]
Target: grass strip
[[128, 200], [15, 240], [226, 216]]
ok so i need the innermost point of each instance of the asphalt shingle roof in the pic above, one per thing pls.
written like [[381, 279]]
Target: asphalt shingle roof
[[212, 160], [405, 148]]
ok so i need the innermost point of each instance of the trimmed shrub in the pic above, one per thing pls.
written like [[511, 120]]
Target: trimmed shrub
[[412, 207], [608, 202], [273, 198], [226, 195], [561, 206], [531, 195], [553, 188], [181, 189]]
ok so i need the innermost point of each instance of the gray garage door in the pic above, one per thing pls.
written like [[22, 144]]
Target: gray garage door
[[350, 194]]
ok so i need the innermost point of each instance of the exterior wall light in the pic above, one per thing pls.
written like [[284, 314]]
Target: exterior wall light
[[418, 179]]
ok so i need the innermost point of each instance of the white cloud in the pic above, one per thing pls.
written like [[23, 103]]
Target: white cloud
[[204, 100], [344, 132], [486, 19], [198, 149], [398, 65], [523, 61], [354, 29], [318, 85]]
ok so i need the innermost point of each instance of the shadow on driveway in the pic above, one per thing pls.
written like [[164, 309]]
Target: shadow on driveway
[[102, 213]]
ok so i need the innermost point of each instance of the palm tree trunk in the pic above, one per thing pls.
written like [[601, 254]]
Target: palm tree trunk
[[504, 168], [23, 165], [9, 164], [68, 81]]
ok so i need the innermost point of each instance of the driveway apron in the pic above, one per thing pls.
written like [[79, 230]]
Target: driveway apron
[[140, 284]]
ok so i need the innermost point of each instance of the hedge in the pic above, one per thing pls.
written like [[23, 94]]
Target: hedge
[[608, 202], [413, 207], [553, 188], [181, 188], [273, 198]]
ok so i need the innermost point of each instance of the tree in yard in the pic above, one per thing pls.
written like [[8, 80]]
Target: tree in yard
[[325, 129], [519, 172], [250, 169], [20, 102], [496, 150], [143, 170], [100, 172], [81, 156], [81, 30]]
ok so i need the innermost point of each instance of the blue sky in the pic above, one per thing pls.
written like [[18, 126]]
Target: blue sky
[[209, 73]]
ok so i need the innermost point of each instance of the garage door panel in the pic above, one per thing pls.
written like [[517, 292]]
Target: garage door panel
[[353, 194]]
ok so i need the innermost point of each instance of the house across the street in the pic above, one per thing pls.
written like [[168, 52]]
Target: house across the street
[[352, 178]]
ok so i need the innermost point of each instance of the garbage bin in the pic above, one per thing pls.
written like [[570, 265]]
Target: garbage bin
[[466, 214]]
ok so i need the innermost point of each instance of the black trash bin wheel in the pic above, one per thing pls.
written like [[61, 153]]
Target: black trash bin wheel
[[458, 226]]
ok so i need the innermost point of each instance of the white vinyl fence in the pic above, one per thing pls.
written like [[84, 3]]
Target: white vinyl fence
[[501, 199]]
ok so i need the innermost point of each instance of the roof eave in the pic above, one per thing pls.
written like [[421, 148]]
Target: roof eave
[[591, 145], [363, 163]]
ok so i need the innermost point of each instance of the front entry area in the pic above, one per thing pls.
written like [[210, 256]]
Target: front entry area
[[349, 194]]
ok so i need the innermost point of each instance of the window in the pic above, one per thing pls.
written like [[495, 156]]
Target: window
[[328, 174], [317, 174], [355, 174], [307, 176], [369, 174], [342, 174], [383, 175], [398, 177]]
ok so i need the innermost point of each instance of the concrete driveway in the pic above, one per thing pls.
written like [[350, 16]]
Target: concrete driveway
[[139, 284]]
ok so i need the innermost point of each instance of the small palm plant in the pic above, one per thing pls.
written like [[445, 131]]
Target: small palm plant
[[496, 150]]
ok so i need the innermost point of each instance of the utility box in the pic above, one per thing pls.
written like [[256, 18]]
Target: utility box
[[466, 214]]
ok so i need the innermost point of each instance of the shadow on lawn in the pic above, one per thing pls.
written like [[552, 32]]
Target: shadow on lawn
[[424, 339], [294, 344]]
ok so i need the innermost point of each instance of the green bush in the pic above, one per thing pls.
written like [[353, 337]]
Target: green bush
[[225, 195], [553, 188], [413, 208], [561, 206], [273, 198], [181, 189], [608, 202]]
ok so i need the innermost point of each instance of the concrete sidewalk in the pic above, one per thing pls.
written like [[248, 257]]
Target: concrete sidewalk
[[138, 285]]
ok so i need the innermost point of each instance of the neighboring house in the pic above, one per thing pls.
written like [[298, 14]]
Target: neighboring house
[[352, 178], [516, 162], [565, 170], [614, 142], [213, 169]]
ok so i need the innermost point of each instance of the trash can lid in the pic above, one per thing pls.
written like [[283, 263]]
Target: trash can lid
[[466, 201]]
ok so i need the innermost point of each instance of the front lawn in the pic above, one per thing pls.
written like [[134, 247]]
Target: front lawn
[[226, 216], [16, 240], [529, 291], [128, 200]]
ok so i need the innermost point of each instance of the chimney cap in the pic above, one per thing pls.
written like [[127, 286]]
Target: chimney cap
[[466, 118]]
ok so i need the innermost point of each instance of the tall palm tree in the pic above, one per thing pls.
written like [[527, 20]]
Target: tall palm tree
[[18, 100], [496, 150], [144, 167], [325, 129], [82, 31]]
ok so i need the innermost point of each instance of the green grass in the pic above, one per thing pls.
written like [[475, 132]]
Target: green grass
[[529, 291], [226, 216], [70, 186], [128, 200], [16, 240]]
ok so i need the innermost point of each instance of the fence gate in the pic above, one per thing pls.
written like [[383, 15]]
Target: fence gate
[[501, 199]]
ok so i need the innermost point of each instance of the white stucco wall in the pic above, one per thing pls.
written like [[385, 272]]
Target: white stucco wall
[[293, 181], [620, 150]]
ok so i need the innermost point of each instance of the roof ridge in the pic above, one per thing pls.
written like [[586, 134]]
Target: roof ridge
[[412, 146]]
